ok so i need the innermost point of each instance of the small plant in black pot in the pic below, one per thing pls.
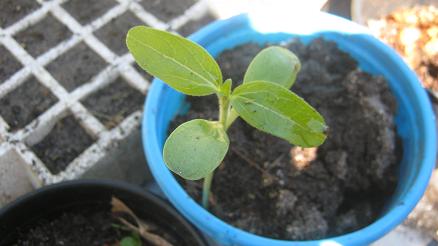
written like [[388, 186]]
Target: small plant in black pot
[[89, 212]]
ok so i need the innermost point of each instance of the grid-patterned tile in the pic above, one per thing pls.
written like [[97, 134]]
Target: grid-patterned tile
[[193, 25], [142, 72], [8, 64], [76, 67], [63, 144], [42, 36], [114, 102], [114, 32], [74, 53], [85, 13], [13, 10], [25, 103], [166, 10]]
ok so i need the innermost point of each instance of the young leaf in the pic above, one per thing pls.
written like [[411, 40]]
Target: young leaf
[[181, 63], [133, 240], [196, 148], [226, 87], [274, 64], [274, 109]]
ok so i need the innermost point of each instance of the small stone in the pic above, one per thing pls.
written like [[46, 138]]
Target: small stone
[[302, 157], [285, 202], [315, 226]]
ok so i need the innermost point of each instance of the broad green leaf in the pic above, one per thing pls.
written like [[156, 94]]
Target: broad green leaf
[[181, 63], [133, 240], [274, 109], [196, 148], [274, 64]]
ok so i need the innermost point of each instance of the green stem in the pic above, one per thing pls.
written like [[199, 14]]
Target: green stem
[[206, 189], [224, 108], [232, 116]]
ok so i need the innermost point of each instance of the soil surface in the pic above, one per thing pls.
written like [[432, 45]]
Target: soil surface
[[85, 13], [66, 141], [76, 67], [43, 35], [113, 34], [114, 103], [25, 103], [268, 187], [8, 64], [13, 10], [88, 226], [91, 226], [166, 10]]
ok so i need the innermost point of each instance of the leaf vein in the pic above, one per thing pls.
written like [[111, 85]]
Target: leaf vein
[[213, 85]]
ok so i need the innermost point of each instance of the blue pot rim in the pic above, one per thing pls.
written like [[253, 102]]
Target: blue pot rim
[[224, 232]]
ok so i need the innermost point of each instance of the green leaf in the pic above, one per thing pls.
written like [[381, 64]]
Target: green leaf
[[181, 63], [274, 64], [226, 88], [196, 148], [133, 240], [274, 109]]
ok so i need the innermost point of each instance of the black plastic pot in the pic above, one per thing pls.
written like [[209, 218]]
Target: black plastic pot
[[52, 200]]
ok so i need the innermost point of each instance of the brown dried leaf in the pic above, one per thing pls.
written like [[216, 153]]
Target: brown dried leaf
[[117, 206]]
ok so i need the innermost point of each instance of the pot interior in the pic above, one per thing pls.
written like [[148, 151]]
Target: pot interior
[[414, 119]]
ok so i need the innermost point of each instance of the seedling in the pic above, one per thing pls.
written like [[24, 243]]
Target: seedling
[[197, 147], [138, 229], [131, 240]]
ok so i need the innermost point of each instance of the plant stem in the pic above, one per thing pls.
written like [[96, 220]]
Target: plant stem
[[232, 116], [224, 108], [206, 189]]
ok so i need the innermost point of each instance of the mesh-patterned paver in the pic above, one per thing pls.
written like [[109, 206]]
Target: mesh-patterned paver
[[10, 65], [76, 67], [25, 103], [70, 93], [43, 35]]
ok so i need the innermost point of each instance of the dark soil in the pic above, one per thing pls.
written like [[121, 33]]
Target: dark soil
[[42, 36], [13, 10], [24, 104], [92, 226], [195, 25], [88, 226], [114, 103], [113, 34], [8, 64], [268, 187], [66, 141], [76, 67], [87, 11], [166, 10]]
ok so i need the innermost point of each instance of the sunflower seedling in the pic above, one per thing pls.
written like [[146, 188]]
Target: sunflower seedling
[[197, 147]]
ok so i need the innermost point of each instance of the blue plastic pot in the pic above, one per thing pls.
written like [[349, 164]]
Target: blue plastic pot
[[415, 120]]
